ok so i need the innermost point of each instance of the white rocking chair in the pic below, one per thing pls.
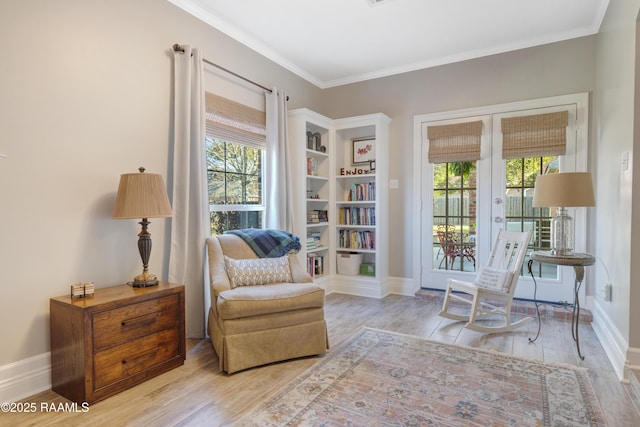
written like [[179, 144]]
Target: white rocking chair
[[495, 284]]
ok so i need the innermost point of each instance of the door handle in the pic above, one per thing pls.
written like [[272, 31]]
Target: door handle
[[497, 219]]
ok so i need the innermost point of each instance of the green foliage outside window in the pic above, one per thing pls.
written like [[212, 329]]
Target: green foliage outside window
[[523, 172], [234, 178], [517, 173]]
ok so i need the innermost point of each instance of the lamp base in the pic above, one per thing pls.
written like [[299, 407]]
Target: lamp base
[[145, 279], [562, 233], [561, 252]]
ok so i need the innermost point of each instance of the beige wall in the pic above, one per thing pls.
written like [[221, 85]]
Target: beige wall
[[555, 69], [85, 95], [617, 237]]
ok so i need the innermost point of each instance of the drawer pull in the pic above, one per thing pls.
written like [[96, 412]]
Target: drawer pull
[[145, 320], [147, 354]]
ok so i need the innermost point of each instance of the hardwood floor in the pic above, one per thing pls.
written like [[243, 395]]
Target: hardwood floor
[[198, 394]]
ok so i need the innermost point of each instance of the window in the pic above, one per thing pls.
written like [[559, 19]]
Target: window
[[235, 185], [454, 215], [235, 150], [454, 150], [520, 178]]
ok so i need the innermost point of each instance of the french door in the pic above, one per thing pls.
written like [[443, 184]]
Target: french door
[[465, 203]]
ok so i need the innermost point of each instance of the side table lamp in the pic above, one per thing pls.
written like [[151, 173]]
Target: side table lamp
[[142, 195], [563, 190]]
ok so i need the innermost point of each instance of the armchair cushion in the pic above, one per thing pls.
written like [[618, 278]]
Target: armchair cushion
[[257, 271], [260, 300]]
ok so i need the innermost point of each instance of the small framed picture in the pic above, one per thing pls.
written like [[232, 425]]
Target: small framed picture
[[363, 150], [372, 165]]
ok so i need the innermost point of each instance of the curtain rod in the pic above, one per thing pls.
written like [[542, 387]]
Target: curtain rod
[[178, 48]]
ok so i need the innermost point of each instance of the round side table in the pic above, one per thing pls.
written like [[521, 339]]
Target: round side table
[[578, 261]]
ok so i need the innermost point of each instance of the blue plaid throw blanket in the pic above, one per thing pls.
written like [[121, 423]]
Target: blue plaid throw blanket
[[269, 243]]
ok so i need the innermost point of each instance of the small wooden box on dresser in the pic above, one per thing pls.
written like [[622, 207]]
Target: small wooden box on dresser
[[118, 338]]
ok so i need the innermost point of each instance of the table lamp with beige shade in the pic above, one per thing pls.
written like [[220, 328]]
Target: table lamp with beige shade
[[563, 190], [142, 195]]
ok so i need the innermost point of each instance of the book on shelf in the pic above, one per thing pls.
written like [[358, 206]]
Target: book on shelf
[[311, 244], [312, 166], [315, 265], [312, 217], [356, 239], [313, 241], [362, 192], [317, 216], [350, 215]]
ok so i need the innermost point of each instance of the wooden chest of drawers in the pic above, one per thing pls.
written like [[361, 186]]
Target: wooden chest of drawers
[[116, 339]]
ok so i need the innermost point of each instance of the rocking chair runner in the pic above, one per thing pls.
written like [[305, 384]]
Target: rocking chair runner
[[494, 284]]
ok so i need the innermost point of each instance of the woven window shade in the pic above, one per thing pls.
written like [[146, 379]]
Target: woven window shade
[[535, 136], [459, 142], [234, 122]]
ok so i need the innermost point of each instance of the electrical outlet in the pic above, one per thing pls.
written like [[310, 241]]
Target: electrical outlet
[[605, 292]]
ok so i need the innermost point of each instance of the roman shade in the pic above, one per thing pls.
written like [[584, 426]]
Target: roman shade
[[535, 135], [458, 142], [235, 122]]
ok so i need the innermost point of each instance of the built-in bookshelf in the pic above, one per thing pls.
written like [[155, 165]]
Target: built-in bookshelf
[[342, 198], [310, 136], [361, 201]]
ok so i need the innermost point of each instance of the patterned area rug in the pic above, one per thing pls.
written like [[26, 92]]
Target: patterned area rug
[[388, 379]]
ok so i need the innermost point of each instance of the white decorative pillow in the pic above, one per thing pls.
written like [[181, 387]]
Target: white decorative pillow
[[493, 278], [257, 271]]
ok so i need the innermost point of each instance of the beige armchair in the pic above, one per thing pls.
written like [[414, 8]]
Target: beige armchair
[[260, 324]]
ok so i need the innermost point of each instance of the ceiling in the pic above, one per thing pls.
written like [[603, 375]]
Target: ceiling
[[336, 42]]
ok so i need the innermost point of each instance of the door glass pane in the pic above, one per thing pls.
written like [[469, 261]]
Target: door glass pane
[[454, 216], [520, 215]]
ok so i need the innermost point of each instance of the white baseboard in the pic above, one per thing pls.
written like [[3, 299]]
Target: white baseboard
[[613, 343], [359, 286], [365, 287], [25, 378], [403, 286], [633, 362]]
